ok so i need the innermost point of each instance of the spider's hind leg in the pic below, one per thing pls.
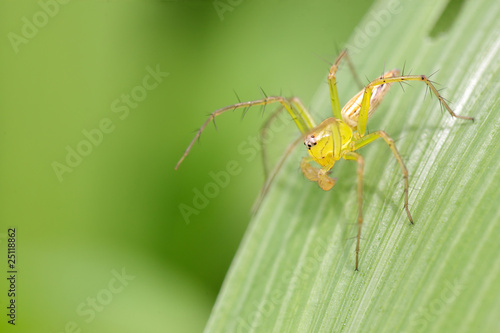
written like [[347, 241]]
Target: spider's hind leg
[[368, 90]]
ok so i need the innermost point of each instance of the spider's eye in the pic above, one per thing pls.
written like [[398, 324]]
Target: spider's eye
[[310, 141]]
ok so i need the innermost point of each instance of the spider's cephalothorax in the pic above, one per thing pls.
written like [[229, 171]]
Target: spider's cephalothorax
[[339, 136], [327, 140]]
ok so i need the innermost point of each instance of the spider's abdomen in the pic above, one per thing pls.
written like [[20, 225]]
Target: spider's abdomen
[[350, 111]]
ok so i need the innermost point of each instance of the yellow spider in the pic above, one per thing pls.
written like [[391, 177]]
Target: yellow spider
[[343, 134]]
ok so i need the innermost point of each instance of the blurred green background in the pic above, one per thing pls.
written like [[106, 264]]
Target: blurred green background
[[76, 79]]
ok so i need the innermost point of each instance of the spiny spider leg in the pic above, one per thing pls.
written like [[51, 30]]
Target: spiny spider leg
[[332, 81], [300, 115], [363, 116]]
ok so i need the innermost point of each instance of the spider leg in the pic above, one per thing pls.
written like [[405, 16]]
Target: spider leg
[[363, 141], [274, 172], [301, 116], [263, 134], [299, 106], [361, 165], [365, 103], [332, 81]]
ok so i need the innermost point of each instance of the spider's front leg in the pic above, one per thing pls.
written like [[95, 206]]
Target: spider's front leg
[[295, 108]]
